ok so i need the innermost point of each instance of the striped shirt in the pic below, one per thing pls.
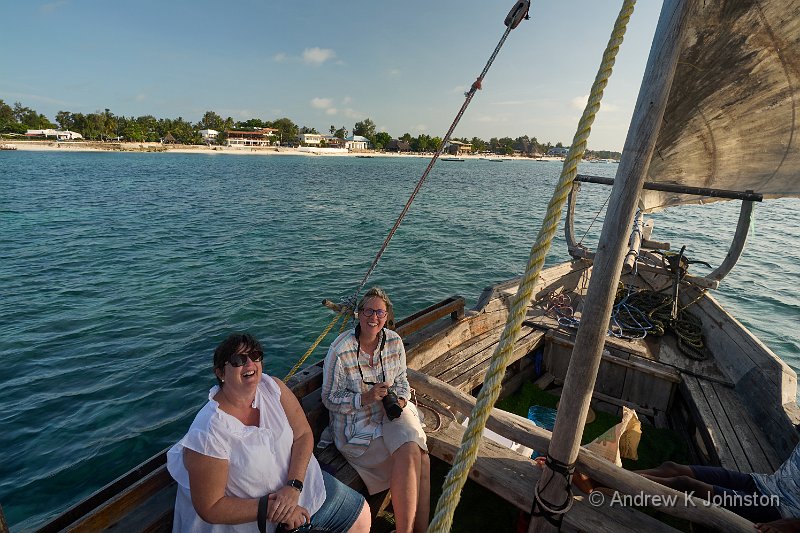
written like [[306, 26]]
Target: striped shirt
[[784, 483], [355, 425]]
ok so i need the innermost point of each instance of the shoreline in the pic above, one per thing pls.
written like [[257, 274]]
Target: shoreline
[[61, 146]]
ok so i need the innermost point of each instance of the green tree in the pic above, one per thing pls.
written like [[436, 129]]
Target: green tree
[[287, 130], [365, 128], [211, 121], [341, 133], [506, 146], [407, 138], [8, 123], [381, 140], [478, 144]]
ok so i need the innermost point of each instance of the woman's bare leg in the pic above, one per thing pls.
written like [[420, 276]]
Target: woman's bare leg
[[406, 469], [363, 522], [422, 519]]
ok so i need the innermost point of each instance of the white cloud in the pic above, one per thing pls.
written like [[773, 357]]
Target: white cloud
[[579, 102], [52, 6], [331, 111], [347, 100], [317, 56], [280, 57], [422, 127], [321, 103], [141, 97], [393, 72]]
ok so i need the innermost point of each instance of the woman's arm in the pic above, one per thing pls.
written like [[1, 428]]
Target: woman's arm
[[208, 477], [302, 446], [335, 394], [400, 384]]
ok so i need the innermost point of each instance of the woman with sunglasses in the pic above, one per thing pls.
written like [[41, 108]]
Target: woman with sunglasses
[[364, 376], [246, 460]]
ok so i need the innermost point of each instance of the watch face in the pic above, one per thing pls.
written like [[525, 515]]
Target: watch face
[[296, 483]]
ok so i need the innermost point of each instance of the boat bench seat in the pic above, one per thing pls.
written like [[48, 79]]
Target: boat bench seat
[[512, 476], [722, 430]]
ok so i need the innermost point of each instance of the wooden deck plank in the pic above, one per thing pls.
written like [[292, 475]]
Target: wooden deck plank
[[727, 430], [475, 376], [462, 352], [701, 411], [763, 458], [513, 476]]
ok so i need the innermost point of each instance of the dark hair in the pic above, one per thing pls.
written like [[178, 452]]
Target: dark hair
[[230, 346], [377, 292]]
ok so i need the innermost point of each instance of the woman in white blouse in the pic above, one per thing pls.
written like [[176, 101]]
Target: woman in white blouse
[[247, 458]]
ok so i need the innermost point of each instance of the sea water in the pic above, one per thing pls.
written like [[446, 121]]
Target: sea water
[[119, 274]]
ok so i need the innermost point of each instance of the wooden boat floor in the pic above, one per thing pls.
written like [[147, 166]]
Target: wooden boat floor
[[465, 365], [513, 476], [730, 433], [661, 350]]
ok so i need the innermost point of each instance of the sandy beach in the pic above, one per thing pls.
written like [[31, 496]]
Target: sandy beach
[[90, 146]]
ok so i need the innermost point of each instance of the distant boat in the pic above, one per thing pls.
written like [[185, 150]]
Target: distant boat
[[452, 159], [365, 156]]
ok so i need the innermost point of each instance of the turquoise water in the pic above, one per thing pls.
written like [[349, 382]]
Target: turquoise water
[[121, 272]]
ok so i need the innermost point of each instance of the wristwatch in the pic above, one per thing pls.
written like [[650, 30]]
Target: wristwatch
[[295, 484]]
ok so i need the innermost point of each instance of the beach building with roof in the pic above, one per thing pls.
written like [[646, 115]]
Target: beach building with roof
[[310, 139], [355, 143], [258, 137], [458, 148], [332, 141], [58, 135], [396, 145], [558, 151], [209, 136]]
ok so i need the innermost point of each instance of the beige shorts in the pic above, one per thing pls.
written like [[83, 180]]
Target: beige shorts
[[375, 465]]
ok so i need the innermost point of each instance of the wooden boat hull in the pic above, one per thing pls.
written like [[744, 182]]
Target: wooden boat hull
[[449, 350]]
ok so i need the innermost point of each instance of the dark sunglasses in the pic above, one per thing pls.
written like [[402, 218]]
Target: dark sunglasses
[[239, 359], [368, 311]]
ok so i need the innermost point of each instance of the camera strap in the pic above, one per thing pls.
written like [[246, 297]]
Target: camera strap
[[380, 352]]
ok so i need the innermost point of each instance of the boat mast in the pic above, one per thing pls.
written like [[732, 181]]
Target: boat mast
[[590, 338]]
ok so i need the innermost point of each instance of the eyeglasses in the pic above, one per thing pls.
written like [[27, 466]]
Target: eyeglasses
[[239, 359], [368, 311]]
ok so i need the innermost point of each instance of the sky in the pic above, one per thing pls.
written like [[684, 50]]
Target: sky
[[404, 65]]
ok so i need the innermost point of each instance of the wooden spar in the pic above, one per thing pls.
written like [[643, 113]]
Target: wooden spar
[[683, 189], [523, 431], [637, 152], [634, 243], [739, 239]]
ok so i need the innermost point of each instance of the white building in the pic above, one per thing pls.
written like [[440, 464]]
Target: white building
[[356, 142], [209, 136], [311, 139], [57, 134]]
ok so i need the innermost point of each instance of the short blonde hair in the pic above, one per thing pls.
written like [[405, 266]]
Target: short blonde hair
[[377, 292]]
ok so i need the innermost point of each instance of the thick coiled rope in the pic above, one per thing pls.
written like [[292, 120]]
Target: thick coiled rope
[[467, 453]]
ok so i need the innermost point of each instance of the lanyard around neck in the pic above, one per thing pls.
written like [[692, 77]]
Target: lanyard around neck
[[380, 354]]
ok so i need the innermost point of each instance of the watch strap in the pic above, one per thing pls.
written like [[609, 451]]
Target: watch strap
[[295, 484]]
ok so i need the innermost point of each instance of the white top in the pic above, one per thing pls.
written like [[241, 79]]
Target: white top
[[784, 483], [258, 458]]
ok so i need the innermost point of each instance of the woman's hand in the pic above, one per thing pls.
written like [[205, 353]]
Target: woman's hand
[[376, 393], [297, 518], [282, 504]]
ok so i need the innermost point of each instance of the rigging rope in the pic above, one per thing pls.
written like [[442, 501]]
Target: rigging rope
[[322, 335], [515, 16], [467, 453], [512, 20]]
